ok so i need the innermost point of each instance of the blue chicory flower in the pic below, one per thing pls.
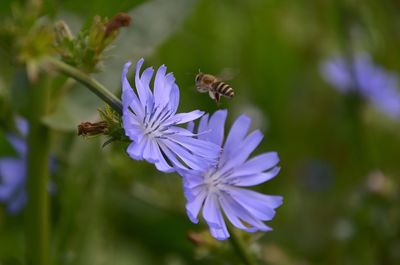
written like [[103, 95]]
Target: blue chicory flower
[[150, 120], [13, 172], [365, 78], [218, 188]]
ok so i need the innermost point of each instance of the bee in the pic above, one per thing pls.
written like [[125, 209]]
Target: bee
[[215, 87]]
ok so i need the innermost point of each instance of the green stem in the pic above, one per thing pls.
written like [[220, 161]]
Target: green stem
[[37, 221], [91, 83], [354, 102], [240, 248]]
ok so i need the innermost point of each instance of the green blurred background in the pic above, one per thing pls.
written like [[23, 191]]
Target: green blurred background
[[340, 165]]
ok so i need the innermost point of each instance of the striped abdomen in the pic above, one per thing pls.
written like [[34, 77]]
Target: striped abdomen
[[223, 89]]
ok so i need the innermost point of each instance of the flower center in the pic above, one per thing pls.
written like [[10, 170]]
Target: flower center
[[154, 121], [213, 181]]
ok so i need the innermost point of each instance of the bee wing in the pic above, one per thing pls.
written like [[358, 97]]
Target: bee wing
[[227, 74]]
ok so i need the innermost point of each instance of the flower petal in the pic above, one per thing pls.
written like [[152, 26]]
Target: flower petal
[[260, 205], [245, 215], [18, 144], [135, 149], [336, 73], [12, 176], [132, 128], [211, 211], [186, 117], [17, 202], [203, 128], [150, 152], [216, 125], [190, 126], [209, 151], [193, 207], [12, 170], [191, 160], [142, 84], [162, 86], [230, 211], [22, 125], [172, 157], [257, 164], [179, 130], [213, 216], [220, 234], [173, 102], [161, 163], [237, 133], [251, 180], [129, 98], [237, 155]]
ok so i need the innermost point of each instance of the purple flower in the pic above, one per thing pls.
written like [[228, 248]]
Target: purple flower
[[13, 172], [218, 188], [369, 80], [150, 120]]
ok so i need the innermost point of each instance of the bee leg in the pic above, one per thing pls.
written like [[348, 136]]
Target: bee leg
[[211, 94], [217, 98]]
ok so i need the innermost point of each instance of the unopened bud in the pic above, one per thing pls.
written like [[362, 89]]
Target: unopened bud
[[196, 238], [88, 128], [118, 21], [62, 31]]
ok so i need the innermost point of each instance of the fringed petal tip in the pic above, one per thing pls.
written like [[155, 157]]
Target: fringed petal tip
[[192, 218], [163, 168], [244, 118], [219, 233], [126, 68], [279, 201], [139, 64]]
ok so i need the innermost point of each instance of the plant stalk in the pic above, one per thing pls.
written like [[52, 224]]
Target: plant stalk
[[37, 219], [91, 83], [240, 248]]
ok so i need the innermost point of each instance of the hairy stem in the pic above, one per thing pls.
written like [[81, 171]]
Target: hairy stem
[[240, 248], [37, 228], [91, 83]]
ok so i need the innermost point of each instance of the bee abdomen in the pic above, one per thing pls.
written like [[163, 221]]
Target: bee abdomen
[[223, 89]]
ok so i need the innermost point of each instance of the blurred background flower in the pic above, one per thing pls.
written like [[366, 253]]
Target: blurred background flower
[[359, 75], [13, 170]]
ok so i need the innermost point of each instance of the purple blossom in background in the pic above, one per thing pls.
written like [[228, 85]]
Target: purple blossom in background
[[13, 172], [218, 189], [150, 120], [369, 80]]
